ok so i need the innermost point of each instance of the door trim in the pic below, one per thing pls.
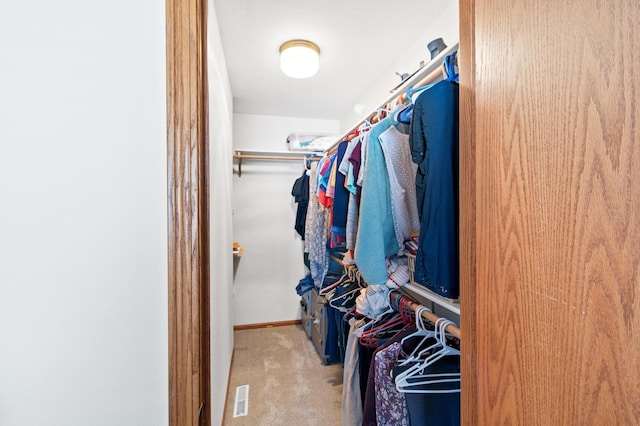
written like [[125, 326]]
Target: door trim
[[188, 212], [467, 200]]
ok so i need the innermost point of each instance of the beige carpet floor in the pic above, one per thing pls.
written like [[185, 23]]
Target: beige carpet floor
[[288, 384]]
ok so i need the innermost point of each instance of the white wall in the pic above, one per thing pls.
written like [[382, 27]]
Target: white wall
[[263, 220], [221, 157], [445, 26], [83, 263]]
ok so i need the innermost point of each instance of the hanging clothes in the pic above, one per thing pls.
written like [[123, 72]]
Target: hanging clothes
[[434, 408], [371, 196], [300, 192], [324, 181], [375, 413], [391, 407], [354, 194], [434, 147], [340, 202], [351, 394], [317, 230], [402, 180], [376, 239]]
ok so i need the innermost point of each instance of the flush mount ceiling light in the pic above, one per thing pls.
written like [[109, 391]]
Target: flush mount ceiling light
[[299, 58]]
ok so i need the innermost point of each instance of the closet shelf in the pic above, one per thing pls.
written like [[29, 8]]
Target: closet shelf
[[451, 306]]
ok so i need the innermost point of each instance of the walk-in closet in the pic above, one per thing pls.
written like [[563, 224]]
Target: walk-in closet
[[328, 225], [434, 220], [435, 239]]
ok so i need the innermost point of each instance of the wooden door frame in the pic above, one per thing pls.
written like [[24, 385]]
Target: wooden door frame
[[188, 213], [467, 221]]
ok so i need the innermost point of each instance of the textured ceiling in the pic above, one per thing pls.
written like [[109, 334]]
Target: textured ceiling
[[359, 40]]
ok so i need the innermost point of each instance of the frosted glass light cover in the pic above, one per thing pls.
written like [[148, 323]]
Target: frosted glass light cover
[[299, 61]]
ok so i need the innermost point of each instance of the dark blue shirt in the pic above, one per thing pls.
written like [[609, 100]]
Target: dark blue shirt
[[434, 147]]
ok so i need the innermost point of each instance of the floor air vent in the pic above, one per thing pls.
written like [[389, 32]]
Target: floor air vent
[[241, 406]]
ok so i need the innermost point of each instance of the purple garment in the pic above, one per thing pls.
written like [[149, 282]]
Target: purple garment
[[369, 412], [369, 415], [391, 406], [356, 156]]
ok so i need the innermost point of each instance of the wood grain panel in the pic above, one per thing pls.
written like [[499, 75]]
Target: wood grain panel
[[557, 216], [467, 202], [188, 228]]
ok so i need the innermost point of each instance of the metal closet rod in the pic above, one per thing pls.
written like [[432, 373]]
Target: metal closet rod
[[274, 155], [267, 157], [242, 154], [430, 73], [455, 331]]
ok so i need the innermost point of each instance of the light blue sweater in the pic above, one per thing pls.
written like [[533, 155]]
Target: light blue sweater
[[376, 238]]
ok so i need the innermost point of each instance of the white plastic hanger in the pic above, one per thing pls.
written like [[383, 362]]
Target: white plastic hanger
[[421, 331], [410, 380]]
